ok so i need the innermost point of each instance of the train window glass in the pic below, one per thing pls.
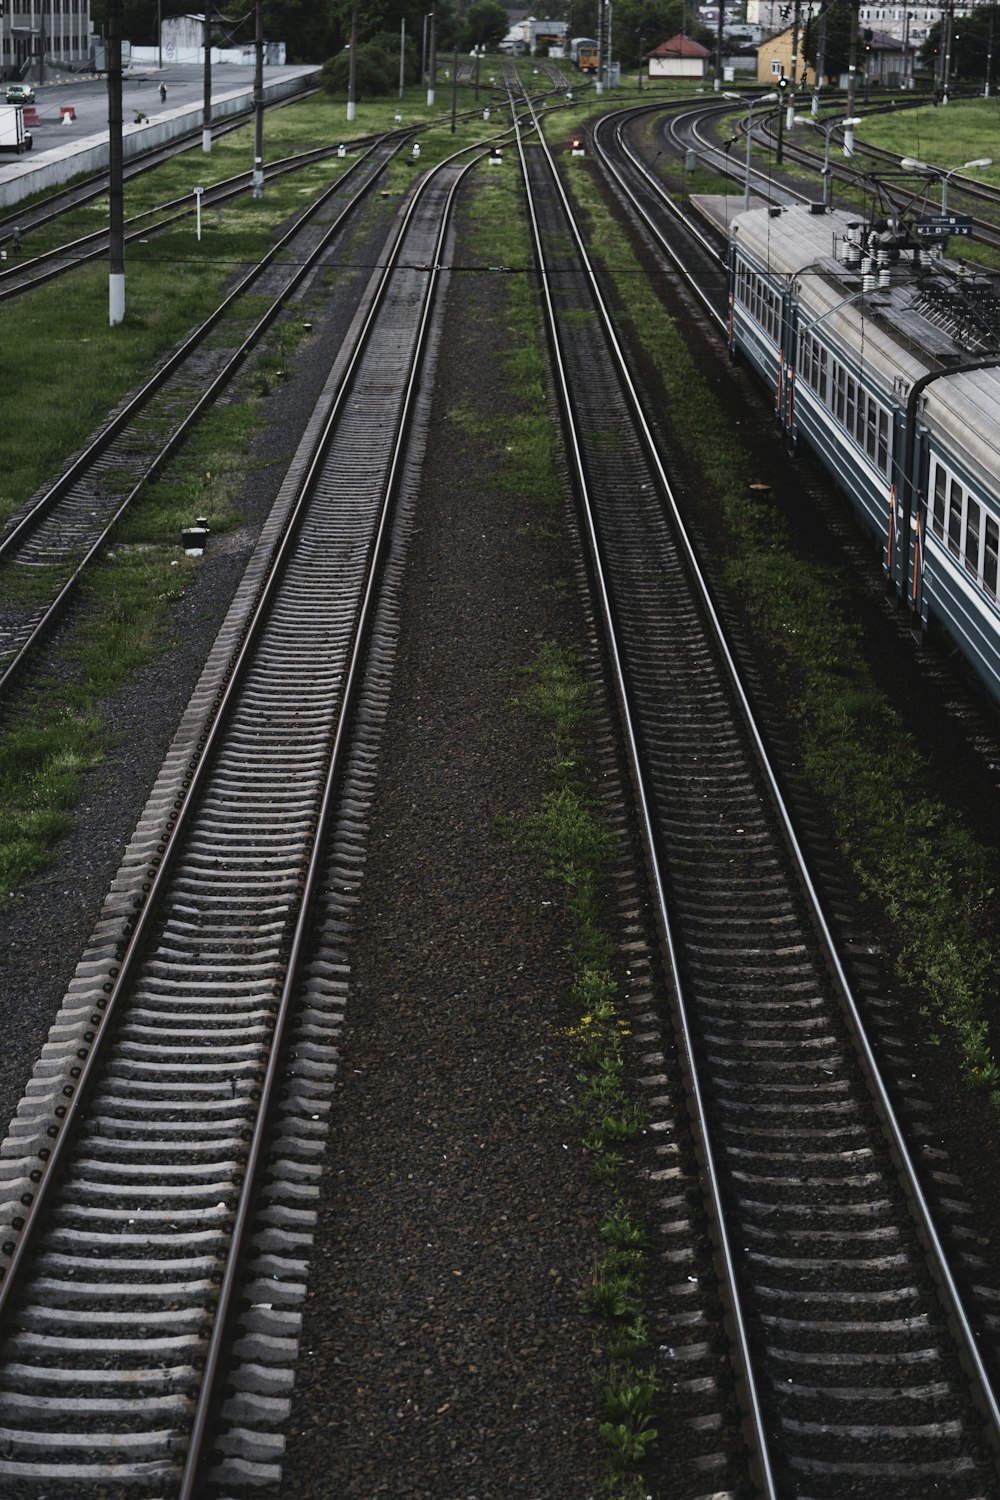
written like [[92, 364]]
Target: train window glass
[[849, 416], [839, 377], [937, 512], [871, 434], [955, 518], [971, 549], [883, 440], [991, 549], [821, 383]]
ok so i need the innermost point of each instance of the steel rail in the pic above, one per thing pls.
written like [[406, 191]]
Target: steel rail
[[744, 1359], [938, 1262], [47, 503], [353, 681], [160, 866], [177, 358], [197, 773], [617, 122], [87, 247]]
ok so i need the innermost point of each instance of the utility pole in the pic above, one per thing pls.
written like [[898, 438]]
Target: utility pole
[[257, 189], [432, 78], [116, 193], [820, 56], [949, 25], [852, 62], [608, 40], [600, 46], [352, 67], [790, 111], [206, 108], [454, 89]]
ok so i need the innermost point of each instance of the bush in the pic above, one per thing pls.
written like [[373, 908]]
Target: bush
[[376, 68]]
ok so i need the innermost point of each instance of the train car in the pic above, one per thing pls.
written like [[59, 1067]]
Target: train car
[[583, 50], [885, 360]]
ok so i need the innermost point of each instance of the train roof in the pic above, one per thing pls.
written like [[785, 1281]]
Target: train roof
[[964, 408], [935, 311]]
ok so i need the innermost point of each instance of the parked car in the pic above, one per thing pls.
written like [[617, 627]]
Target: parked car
[[20, 93]]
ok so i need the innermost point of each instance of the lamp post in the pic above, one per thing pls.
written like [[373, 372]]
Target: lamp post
[[911, 164], [751, 105], [828, 130]]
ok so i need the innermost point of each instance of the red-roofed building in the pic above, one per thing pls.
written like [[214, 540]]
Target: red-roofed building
[[681, 57]]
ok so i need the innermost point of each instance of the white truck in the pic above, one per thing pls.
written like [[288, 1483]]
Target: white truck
[[13, 136]]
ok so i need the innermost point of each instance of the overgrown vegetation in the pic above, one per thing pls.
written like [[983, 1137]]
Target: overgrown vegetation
[[569, 835], [928, 876]]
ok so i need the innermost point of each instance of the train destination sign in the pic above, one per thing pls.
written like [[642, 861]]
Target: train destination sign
[[940, 224]]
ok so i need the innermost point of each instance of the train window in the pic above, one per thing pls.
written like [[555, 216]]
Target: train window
[[805, 357], [839, 379], [991, 548], [955, 518], [937, 512], [883, 440], [871, 434], [849, 413], [972, 537]]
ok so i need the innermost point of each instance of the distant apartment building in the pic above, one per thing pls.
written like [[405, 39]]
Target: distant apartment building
[[911, 22], [37, 36]]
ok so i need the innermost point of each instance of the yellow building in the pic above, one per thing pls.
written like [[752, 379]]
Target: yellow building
[[774, 60]]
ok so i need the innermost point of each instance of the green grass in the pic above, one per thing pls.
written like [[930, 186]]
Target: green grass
[[943, 137]]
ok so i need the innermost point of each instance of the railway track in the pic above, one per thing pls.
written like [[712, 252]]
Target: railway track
[[34, 271], [55, 204], [858, 1367], [177, 1110], [59, 534], [870, 168]]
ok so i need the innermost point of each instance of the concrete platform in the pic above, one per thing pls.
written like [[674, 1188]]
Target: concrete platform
[[64, 150]]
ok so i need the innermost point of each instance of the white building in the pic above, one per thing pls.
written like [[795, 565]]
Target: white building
[[913, 22], [38, 37]]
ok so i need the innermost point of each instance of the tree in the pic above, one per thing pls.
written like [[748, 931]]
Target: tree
[[837, 53], [970, 47], [486, 25], [651, 23], [309, 31], [376, 67]]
